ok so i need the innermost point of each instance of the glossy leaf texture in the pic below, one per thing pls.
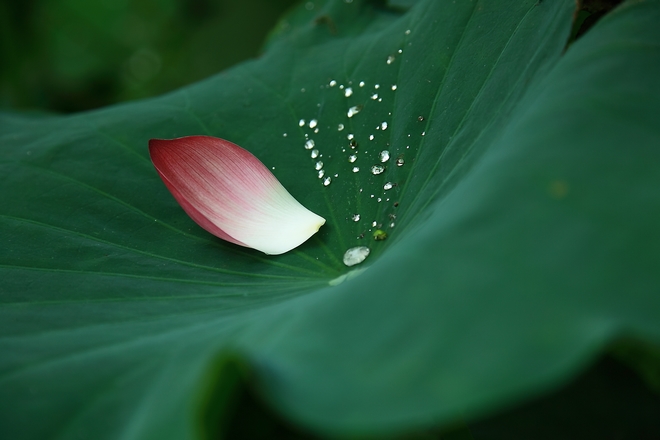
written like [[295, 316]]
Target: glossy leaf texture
[[522, 228]]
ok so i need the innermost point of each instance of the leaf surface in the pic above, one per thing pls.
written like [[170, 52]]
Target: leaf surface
[[522, 227]]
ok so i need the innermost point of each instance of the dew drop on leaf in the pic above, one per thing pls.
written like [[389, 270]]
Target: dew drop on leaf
[[353, 111], [384, 156], [377, 169], [356, 255]]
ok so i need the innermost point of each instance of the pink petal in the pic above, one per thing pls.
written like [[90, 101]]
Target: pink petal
[[231, 194]]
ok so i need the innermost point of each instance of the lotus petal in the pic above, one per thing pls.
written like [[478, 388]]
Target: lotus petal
[[231, 194]]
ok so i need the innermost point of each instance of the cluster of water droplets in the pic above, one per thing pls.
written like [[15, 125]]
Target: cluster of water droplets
[[361, 151]]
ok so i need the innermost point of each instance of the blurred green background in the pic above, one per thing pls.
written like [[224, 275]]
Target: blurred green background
[[74, 55]]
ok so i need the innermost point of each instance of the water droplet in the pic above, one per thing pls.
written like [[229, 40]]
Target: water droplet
[[318, 165], [392, 225], [379, 200], [374, 224], [284, 134], [350, 136], [352, 158], [420, 118], [371, 137], [327, 181], [374, 96], [407, 32], [301, 123], [302, 90], [356, 255], [390, 59], [356, 169], [400, 161], [340, 127], [333, 83], [336, 175], [384, 156], [353, 111], [356, 217], [353, 143], [393, 86], [313, 123], [400, 50], [423, 133], [309, 144], [321, 173], [387, 186], [348, 92], [383, 126], [380, 235], [315, 154], [361, 84], [380, 99], [376, 86], [377, 169]]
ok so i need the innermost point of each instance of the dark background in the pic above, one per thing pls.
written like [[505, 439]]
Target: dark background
[[73, 55]]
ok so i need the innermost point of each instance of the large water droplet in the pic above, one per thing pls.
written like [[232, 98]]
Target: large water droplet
[[327, 181], [356, 169], [387, 186], [352, 158], [377, 169], [333, 83], [348, 92], [356, 255], [356, 217], [371, 137], [315, 154], [313, 123], [361, 84], [309, 144], [350, 136], [400, 162], [384, 156], [393, 87], [383, 126], [301, 123], [321, 174], [376, 86], [353, 111], [318, 165], [374, 96]]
